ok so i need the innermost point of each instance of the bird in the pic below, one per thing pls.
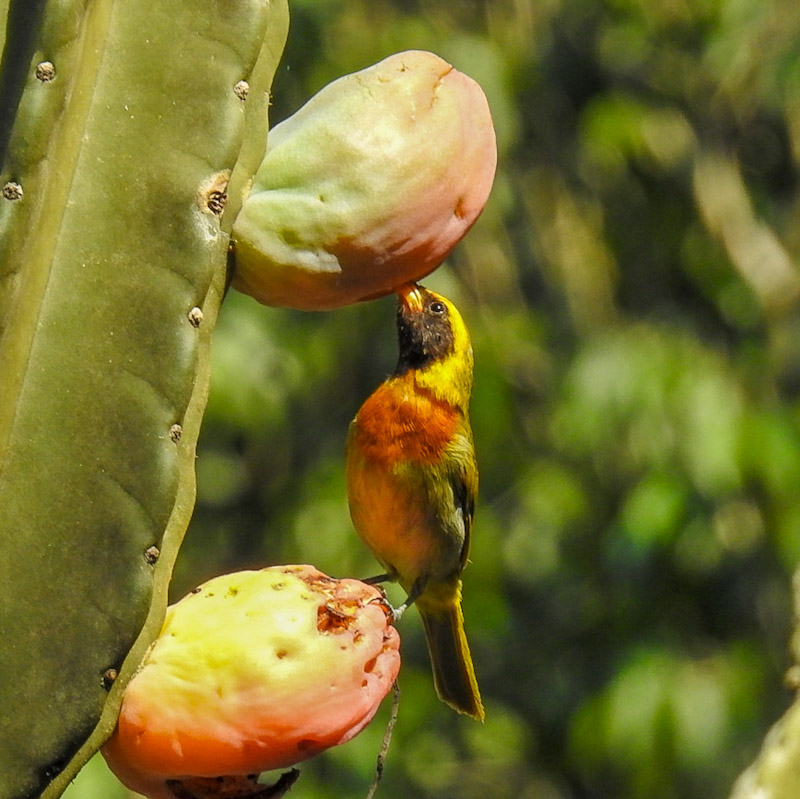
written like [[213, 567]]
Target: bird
[[412, 480]]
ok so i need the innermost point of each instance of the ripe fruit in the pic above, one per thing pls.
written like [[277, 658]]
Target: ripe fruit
[[254, 671], [368, 186]]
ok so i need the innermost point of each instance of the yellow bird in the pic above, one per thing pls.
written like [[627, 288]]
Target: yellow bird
[[412, 481]]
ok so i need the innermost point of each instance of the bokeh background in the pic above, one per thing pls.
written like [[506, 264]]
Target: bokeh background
[[633, 294]]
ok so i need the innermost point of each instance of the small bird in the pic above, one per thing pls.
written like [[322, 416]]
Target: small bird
[[412, 481]]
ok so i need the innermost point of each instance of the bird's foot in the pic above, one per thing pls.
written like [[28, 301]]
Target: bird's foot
[[398, 612], [394, 613]]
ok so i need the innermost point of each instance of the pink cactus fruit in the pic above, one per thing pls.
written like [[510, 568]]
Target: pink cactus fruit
[[254, 671], [368, 186]]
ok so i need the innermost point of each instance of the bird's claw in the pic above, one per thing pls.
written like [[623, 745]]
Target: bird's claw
[[393, 612]]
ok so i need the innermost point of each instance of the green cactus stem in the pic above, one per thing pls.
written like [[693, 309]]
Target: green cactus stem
[[129, 130]]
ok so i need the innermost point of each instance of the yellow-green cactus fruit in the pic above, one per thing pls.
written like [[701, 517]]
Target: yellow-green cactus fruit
[[254, 671]]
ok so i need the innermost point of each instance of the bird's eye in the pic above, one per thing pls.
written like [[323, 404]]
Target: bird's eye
[[437, 308]]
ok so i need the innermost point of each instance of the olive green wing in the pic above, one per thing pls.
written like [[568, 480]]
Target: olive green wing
[[463, 477]]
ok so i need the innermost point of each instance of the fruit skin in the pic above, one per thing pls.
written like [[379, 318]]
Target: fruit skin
[[412, 479], [368, 186], [254, 671]]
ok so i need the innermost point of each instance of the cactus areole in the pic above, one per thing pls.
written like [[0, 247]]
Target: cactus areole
[[254, 671], [368, 186]]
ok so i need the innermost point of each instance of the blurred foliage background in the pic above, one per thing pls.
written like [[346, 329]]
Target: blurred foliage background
[[633, 294]]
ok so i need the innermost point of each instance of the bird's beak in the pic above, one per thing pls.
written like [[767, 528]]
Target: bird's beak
[[411, 297]]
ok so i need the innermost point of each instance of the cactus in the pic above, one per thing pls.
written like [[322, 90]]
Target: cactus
[[125, 125]]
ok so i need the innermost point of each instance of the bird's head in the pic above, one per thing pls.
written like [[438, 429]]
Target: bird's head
[[434, 344]]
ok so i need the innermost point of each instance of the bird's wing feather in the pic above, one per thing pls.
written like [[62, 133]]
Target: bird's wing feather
[[464, 482]]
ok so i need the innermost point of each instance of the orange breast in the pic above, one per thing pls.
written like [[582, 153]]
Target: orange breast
[[402, 422]]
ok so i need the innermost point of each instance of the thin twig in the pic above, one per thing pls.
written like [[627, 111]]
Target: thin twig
[[387, 737]]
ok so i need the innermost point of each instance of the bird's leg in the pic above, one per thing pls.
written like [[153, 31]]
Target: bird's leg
[[380, 578], [413, 595]]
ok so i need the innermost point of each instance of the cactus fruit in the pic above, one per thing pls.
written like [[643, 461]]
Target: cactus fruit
[[254, 671], [368, 186], [123, 127]]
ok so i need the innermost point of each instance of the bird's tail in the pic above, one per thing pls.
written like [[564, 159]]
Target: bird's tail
[[453, 673]]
